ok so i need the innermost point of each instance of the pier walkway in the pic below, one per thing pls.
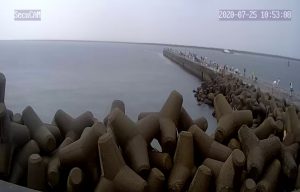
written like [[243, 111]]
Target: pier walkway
[[205, 71]]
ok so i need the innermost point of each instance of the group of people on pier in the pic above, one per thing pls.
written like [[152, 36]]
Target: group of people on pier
[[203, 60]]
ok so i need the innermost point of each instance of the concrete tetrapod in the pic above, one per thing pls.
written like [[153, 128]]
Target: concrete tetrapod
[[36, 172], [292, 126], [5, 146], [288, 160], [297, 183], [155, 180], [115, 172], [168, 135], [5, 159], [229, 175], [184, 167], [149, 127], [208, 147], [172, 107], [163, 161], [229, 124], [38, 131], [14, 135], [21, 160], [169, 117], [10, 114], [249, 185], [185, 121], [234, 144], [201, 122], [54, 130], [53, 170], [76, 153], [17, 118], [222, 107], [3, 114], [202, 180], [118, 104], [115, 104], [267, 127], [71, 127], [75, 180], [214, 165], [269, 181], [258, 152], [279, 114], [105, 185], [229, 121], [131, 141], [2, 87], [17, 135], [145, 114]]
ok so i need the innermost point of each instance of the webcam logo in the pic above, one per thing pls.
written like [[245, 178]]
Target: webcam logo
[[27, 15]]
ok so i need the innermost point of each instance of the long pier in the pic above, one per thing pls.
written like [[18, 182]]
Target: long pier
[[204, 72], [196, 69]]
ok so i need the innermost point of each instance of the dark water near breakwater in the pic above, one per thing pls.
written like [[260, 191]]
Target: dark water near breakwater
[[80, 76]]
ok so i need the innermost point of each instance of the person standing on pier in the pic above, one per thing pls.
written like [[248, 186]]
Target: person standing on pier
[[244, 72], [254, 78], [291, 89], [273, 85]]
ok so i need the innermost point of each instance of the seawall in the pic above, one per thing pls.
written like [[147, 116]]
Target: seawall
[[203, 73]]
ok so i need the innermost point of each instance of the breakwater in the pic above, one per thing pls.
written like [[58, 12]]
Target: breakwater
[[194, 68], [207, 71]]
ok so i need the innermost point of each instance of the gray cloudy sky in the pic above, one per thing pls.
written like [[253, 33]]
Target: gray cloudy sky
[[187, 22]]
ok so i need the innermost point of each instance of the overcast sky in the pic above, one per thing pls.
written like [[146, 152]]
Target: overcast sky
[[186, 22]]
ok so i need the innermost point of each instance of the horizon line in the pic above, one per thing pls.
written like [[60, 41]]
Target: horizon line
[[164, 44]]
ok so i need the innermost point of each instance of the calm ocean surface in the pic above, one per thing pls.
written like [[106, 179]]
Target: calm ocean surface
[[80, 76]]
